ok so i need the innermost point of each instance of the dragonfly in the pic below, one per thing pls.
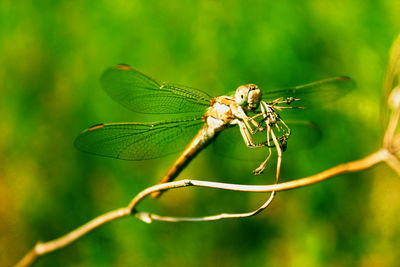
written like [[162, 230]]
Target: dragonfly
[[247, 109]]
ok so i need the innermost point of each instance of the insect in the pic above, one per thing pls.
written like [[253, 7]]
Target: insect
[[208, 116]]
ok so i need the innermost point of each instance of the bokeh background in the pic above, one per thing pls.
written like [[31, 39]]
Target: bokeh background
[[52, 54]]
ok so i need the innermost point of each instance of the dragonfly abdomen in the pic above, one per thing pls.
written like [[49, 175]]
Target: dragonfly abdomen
[[199, 142]]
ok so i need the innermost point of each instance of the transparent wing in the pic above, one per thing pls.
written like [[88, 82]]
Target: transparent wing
[[138, 141], [141, 93], [319, 91]]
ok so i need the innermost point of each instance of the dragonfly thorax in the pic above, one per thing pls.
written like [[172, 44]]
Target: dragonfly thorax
[[248, 96]]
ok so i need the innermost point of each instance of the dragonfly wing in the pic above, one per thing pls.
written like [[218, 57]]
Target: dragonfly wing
[[141, 93], [138, 141], [318, 92]]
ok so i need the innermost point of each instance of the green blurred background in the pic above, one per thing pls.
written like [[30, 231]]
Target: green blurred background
[[52, 54]]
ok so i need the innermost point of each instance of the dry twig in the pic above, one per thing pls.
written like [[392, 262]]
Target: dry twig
[[43, 248]]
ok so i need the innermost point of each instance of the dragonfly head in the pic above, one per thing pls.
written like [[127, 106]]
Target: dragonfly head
[[248, 96]]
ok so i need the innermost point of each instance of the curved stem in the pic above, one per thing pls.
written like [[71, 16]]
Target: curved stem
[[149, 217], [47, 247], [44, 248]]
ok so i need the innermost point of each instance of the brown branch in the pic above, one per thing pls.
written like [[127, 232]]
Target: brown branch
[[44, 248], [150, 217], [47, 247]]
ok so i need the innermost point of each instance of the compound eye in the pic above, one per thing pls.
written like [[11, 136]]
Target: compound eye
[[241, 95]]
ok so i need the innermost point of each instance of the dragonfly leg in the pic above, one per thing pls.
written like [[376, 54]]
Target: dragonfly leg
[[244, 131], [245, 134], [272, 119], [261, 168], [282, 100], [257, 126], [249, 122]]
